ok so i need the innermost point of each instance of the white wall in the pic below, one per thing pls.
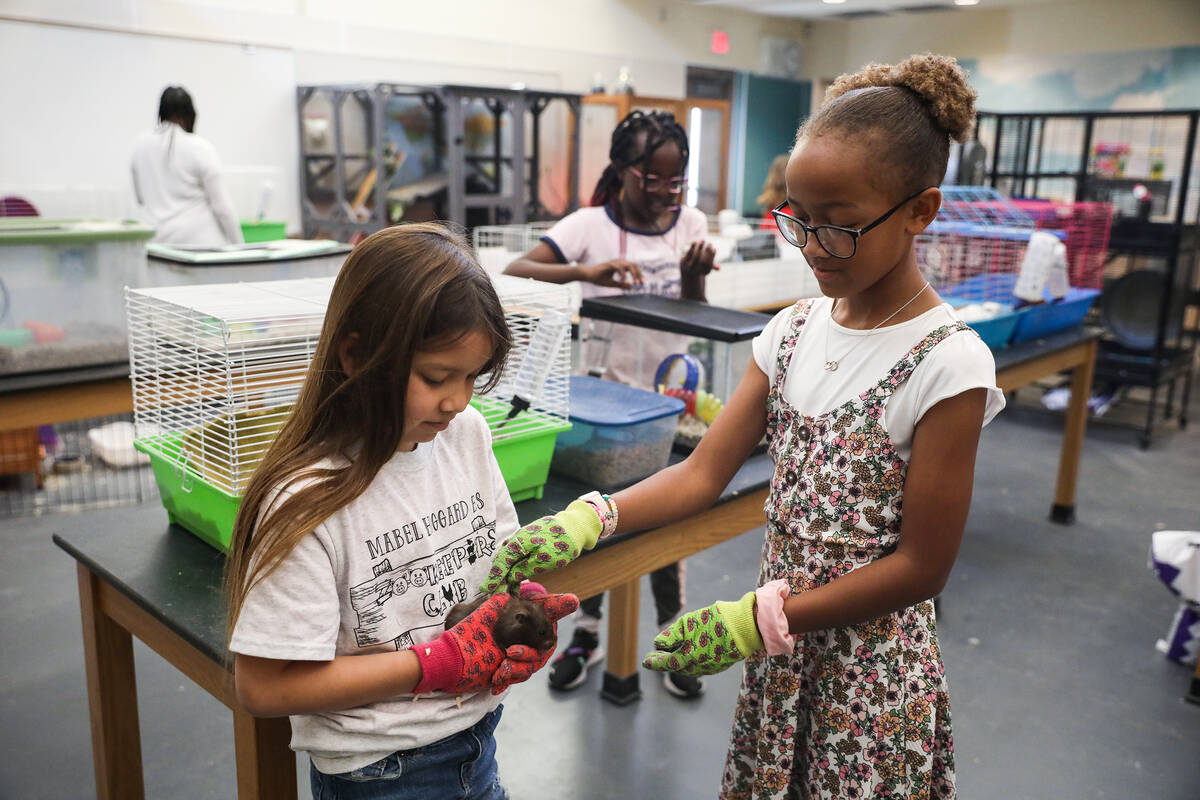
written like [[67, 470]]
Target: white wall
[[1036, 29], [485, 33], [92, 73], [70, 120]]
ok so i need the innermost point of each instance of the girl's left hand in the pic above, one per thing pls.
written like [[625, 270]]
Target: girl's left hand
[[697, 262], [707, 641]]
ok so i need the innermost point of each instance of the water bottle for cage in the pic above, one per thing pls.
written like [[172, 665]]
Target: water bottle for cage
[[539, 358]]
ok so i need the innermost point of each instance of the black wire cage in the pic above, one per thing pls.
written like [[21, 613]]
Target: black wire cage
[[1143, 163], [72, 466], [373, 155]]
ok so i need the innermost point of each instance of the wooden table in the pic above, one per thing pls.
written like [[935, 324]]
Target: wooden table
[[44, 398], [140, 577], [1024, 363]]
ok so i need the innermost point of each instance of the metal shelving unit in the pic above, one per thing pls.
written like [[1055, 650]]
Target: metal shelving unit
[[379, 154], [1103, 156]]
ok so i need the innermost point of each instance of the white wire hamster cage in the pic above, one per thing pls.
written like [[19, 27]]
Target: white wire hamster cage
[[216, 370]]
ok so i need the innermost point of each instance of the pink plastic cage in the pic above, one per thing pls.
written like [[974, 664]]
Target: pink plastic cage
[[1087, 227]]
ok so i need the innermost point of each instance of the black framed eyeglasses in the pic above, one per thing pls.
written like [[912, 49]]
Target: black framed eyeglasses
[[653, 183], [835, 240]]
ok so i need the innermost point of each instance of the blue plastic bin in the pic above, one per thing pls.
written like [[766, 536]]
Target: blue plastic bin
[[994, 287], [997, 332], [1052, 317], [618, 434]]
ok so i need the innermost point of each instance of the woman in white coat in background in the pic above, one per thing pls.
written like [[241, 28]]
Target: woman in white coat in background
[[177, 179]]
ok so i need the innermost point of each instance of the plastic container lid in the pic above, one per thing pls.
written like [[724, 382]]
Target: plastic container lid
[[600, 402], [42, 231], [249, 253]]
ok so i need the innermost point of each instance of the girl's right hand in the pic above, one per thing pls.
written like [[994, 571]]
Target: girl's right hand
[[618, 273], [544, 545]]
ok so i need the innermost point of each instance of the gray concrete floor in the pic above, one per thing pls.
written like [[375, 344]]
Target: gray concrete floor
[[1048, 634]]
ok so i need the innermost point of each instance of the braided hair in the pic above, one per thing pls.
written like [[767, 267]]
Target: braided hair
[[660, 127]]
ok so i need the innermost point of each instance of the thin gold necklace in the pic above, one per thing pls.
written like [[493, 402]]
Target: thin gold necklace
[[832, 365]]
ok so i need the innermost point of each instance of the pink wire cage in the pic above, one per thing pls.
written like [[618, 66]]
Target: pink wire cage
[[1087, 226]]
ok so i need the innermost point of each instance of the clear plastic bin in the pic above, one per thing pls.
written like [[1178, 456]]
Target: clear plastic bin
[[619, 434], [61, 291], [285, 259]]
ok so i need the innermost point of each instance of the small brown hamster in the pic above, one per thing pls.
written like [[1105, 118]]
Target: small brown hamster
[[520, 622]]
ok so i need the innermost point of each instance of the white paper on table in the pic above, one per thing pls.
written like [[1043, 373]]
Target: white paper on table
[[1035, 267], [1059, 281]]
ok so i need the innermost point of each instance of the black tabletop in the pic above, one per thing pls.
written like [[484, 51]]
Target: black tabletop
[[1034, 348], [49, 379], [176, 578], [688, 317]]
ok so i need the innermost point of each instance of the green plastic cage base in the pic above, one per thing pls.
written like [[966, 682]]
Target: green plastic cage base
[[263, 230], [210, 512], [524, 457], [191, 502]]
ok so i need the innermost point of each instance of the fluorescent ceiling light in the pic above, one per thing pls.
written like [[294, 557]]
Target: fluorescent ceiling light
[[966, 2], [833, 2]]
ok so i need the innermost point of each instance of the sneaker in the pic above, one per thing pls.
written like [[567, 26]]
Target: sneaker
[[570, 669], [684, 686]]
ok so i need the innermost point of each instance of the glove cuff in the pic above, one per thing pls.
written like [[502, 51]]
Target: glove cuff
[[581, 522], [531, 589], [739, 619], [441, 664], [772, 622], [606, 509]]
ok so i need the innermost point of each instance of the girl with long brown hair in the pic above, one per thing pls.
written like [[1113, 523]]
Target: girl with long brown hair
[[378, 507]]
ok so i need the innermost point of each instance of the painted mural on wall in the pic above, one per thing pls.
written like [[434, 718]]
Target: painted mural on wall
[[1117, 81]]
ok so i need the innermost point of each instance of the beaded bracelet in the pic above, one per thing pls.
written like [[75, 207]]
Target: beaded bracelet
[[605, 508]]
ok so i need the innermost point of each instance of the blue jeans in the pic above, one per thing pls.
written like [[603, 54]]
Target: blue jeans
[[459, 767]]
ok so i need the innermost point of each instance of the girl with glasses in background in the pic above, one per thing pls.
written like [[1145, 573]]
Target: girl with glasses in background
[[635, 237]]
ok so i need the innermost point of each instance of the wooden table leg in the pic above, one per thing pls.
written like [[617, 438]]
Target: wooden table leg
[[266, 766], [112, 698], [623, 660], [1193, 695], [1063, 510]]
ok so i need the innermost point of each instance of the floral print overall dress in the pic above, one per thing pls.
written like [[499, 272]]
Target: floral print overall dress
[[856, 712]]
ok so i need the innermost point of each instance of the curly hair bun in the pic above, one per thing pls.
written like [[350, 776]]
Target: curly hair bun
[[938, 80]]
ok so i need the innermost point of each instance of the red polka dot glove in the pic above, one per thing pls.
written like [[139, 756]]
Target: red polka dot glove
[[707, 641], [466, 658], [543, 545]]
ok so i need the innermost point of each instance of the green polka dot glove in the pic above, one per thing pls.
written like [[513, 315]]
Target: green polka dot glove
[[544, 545], [707, 641]]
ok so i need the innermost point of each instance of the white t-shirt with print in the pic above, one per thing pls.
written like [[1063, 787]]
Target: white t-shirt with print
[[959, 363], [591, 236], [380, 575]]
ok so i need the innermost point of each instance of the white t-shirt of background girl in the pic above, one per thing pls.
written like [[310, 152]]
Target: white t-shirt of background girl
[[591, 236], [960, 362], [379, 576]]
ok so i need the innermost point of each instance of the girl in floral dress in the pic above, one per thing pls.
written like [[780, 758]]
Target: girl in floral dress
[[872, 398]]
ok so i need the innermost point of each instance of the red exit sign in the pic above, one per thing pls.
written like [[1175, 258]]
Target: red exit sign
[[720, 42]]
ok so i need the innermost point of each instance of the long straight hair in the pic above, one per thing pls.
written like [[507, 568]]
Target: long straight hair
[[402, 290]]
